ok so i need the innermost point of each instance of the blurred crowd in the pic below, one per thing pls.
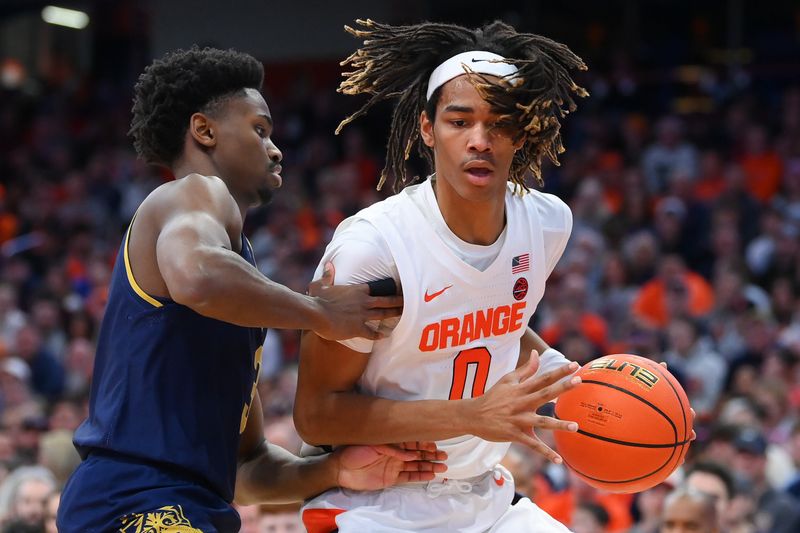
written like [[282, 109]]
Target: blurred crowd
[[685, 249]]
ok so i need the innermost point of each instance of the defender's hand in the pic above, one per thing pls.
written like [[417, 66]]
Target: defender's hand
[[378, 467], [346, 309], [507, 412]]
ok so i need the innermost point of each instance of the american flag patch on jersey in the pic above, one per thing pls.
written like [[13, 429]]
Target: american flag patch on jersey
[[520, 263]]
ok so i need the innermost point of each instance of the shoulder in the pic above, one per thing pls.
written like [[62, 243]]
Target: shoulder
[[357, 238], [392, 206], [553, 213], [193, 194], [359, 253], [360, 248], [367, 226], [191, 190], [211, 191]]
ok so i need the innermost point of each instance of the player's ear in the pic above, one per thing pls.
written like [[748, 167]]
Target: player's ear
[[426, 129], [201, 129]]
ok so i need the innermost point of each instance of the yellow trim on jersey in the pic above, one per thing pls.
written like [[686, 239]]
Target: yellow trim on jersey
[[135, 286]]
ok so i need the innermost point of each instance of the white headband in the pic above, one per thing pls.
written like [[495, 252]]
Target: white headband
[[476, 61]]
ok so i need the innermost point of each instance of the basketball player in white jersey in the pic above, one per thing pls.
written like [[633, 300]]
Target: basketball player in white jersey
[[470, 248]]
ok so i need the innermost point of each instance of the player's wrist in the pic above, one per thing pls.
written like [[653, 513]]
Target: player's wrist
[[333, 468], [326, 468], [468, 415], [550, 359], [317, 317], [550, 352]]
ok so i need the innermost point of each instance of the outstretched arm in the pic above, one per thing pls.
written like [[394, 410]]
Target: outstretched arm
[[328, 410], [269, 474], [197, 224]]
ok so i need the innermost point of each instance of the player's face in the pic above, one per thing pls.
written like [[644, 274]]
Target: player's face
[[245, 153], [472, 154], [686, 516]]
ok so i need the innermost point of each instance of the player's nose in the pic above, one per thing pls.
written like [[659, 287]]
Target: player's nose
[[274, 153], [479, 139]]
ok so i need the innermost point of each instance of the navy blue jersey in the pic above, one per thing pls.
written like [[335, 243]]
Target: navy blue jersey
[[115, 493], [171, 387]]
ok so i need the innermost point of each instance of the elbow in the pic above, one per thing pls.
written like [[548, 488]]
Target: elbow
[[243, 497], [188, 296], [191, 288], [309, 425], [247, 493]]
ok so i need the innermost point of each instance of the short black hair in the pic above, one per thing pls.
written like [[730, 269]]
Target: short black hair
[[717, 470], [181, 83]]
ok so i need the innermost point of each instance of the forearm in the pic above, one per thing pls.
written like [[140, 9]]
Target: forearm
[[549, 358], [273, 475], [530, 341], [220, 284], [352, 418]]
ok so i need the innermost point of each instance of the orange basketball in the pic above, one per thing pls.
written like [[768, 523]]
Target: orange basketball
[[634, 423]]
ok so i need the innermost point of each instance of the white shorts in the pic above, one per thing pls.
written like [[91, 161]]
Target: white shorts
[[477, 505]]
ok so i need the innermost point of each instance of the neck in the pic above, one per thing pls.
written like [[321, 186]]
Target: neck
[[476, 222], [191, 164]]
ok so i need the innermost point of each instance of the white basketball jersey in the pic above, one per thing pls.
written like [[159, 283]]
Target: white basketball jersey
[[461, 327]]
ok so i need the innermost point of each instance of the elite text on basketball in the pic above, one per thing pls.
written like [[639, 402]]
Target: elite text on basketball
[[642, 374]]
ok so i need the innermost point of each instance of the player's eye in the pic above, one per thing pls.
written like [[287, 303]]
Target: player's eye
[[501, 127], [459, 123], [261, 131]]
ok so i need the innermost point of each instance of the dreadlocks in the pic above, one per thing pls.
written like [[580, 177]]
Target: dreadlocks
[[396, 61]]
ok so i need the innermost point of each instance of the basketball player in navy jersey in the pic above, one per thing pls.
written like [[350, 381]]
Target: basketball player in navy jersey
[[174, 431]]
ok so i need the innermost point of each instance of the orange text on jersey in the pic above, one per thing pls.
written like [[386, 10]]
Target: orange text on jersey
[[452, 332]]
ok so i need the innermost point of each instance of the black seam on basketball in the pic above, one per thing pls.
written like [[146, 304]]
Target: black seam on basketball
[[674, 447], [643, 400], [612, 481], [623, 442], [609, 481], [675, 391], [626, 443]]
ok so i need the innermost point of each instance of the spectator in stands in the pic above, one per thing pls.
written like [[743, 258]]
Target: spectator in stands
[[715, 481], [589, 517], [776, 511], [686, 510], [762, 166], [47, 374], [692, 355], [23, 495], [675, 291], [649, 505], [669, 154]]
